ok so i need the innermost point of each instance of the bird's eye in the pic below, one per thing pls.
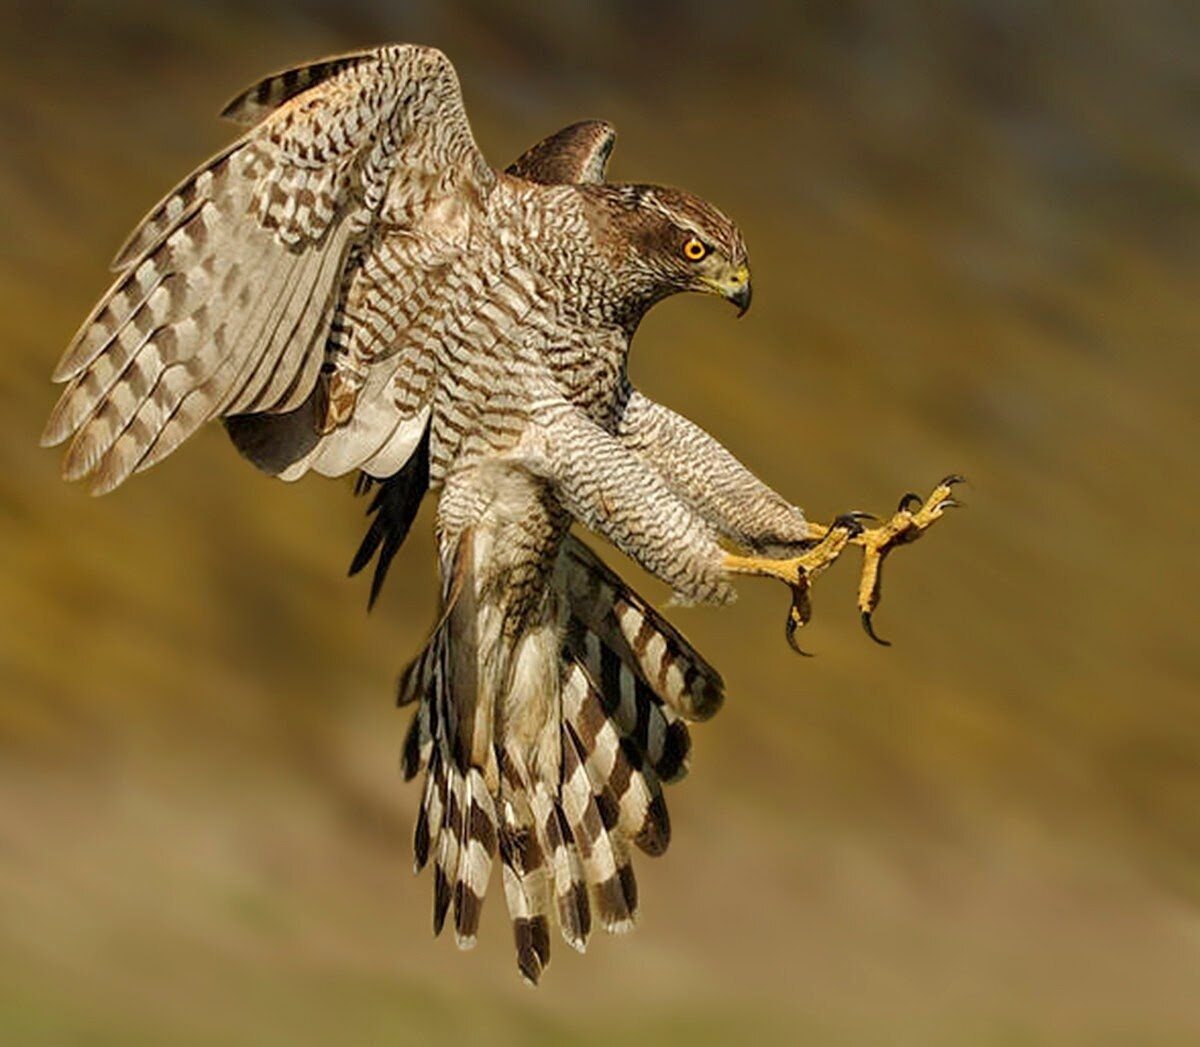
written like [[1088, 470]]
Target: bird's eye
[[695, 249]]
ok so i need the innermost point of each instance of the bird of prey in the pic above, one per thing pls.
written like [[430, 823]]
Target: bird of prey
[[352, 289]]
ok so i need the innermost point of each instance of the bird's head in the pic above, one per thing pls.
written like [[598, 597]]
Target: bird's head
[[673, 241]]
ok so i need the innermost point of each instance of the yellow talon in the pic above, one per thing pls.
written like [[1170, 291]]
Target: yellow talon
[[799, 572], [905, 526]]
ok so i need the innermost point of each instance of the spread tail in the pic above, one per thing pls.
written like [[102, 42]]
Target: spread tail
[[552, 757]]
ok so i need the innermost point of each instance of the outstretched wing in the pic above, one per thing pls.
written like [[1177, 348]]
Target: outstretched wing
[[577, 154], [226, 290]]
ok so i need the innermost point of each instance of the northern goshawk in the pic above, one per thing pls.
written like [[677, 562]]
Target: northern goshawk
[[351, 288]]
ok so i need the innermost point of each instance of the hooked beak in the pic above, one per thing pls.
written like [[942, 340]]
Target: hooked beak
[[734, 286], [741, 298]]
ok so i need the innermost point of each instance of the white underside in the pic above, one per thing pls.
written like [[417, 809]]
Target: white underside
[[378, 440]]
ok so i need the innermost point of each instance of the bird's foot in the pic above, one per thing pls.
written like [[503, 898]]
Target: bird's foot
[[911, 520], [799, 572]]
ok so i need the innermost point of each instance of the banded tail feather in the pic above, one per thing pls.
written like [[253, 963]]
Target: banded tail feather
[[476, 851], [656, 732], [641, 637], [418, 742], [633, 791], [527, 887], [428, 824], [445, 868], [605, 858], [565, 867]]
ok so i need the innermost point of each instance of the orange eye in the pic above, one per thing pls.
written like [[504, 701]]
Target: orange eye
[[694, 249]]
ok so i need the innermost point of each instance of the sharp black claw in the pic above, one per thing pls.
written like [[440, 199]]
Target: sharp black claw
[[869, 629], [852, 522], [949, 503], [910, 499], [953, 479], [794, 621], [791, 639]]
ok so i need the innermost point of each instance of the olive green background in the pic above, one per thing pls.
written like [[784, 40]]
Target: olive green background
[[973, 228]]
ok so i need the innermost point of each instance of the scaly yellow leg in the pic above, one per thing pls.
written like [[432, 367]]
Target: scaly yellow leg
[[799, 572]]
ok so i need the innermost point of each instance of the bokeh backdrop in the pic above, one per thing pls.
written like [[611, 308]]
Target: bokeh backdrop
[[975, 232]]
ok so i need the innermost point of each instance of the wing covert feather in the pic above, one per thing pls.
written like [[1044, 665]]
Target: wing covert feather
[[578, 154]]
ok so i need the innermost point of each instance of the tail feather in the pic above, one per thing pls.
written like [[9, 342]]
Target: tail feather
[[445, 869], [526, 879], [657, 732], [566, 870], [422, 679], [428, 826], [476, 850], [531, 926], [560, 810], [641, 812], [418, 743], [608, 808], [642, 639], [604, 859]]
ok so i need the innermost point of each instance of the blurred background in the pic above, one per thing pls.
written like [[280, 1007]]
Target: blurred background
[[975, 231]]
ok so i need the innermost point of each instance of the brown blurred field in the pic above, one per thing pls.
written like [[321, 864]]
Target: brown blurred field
[[975, 230]]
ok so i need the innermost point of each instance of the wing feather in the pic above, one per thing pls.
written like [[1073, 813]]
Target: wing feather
[[576, 154], [225, 292], [262, 98]]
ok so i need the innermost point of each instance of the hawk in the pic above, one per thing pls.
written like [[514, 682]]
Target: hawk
[[352, 289]]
